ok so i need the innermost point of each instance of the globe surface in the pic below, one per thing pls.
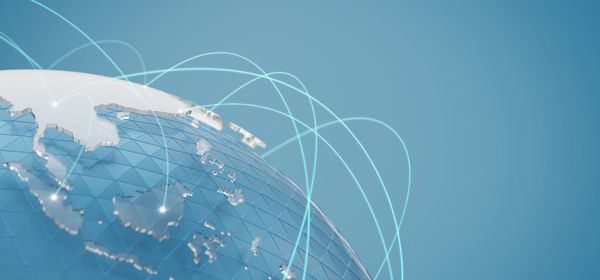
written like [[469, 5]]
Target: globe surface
[[84, 190]]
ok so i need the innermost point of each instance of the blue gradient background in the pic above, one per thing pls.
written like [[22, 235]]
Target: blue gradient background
[[496, 100]]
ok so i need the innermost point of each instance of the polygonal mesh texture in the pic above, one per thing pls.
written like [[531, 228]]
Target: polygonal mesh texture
[[32, 246]]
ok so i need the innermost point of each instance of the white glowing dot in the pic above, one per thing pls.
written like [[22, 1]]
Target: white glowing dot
[[54, 104], [162, 209], [54, 197]]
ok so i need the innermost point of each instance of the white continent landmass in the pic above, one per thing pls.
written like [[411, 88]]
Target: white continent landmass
[[68, 101]]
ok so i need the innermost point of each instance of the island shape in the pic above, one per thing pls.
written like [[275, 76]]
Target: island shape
[[145, 212], [51, 198]]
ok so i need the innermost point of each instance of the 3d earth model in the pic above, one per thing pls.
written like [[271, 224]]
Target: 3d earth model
[[105, 179]]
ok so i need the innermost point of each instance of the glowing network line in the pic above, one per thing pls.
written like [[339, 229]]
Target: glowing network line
[[118, 42], [15, 46]]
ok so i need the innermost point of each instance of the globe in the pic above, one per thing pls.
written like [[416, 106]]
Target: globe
[[106, 179]]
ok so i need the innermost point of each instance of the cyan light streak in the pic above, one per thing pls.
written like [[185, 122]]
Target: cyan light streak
[[15, 46], [118, 42], [312, 184]]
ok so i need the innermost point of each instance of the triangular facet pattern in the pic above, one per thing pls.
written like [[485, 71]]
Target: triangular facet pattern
[[249, 238]]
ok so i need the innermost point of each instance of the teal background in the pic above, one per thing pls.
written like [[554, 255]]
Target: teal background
[[497, 102]]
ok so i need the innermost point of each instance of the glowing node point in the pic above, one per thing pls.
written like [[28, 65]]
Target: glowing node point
[[162, 209], [53, 197], [54, 104]]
